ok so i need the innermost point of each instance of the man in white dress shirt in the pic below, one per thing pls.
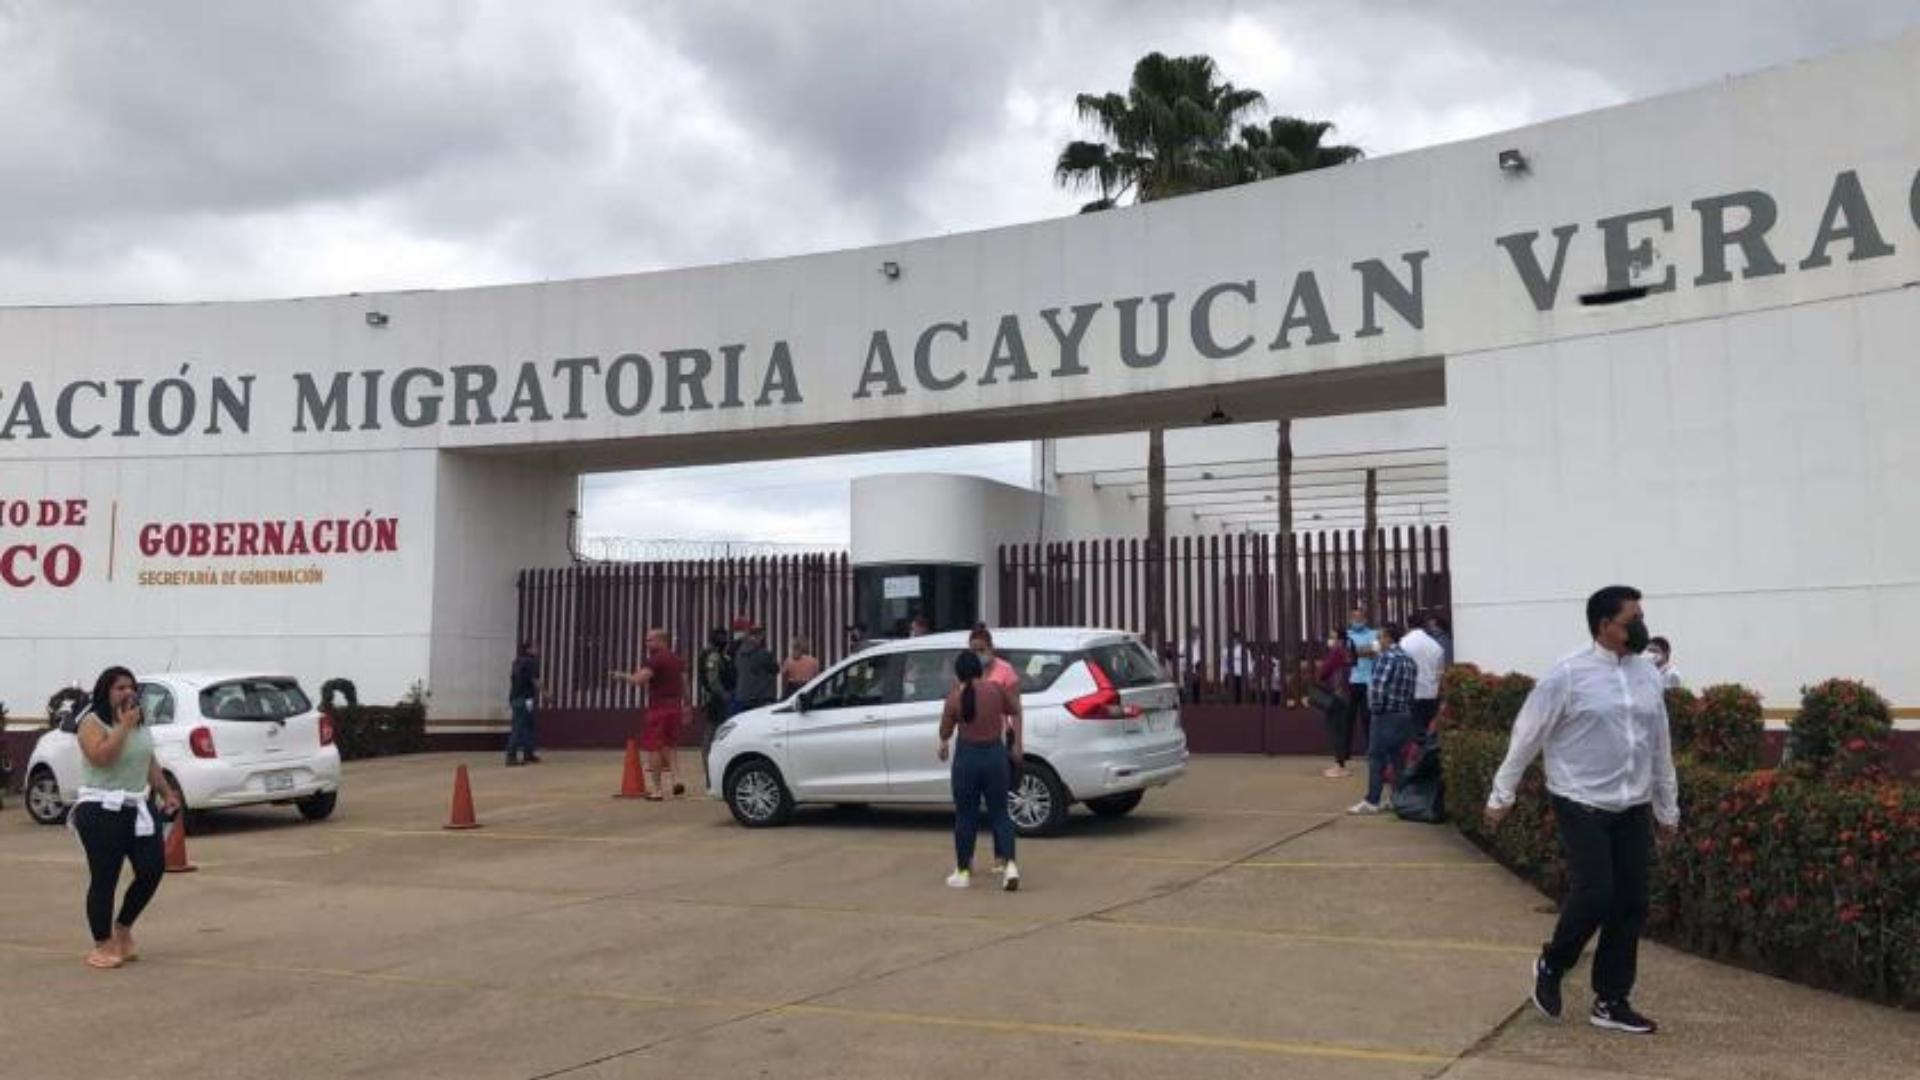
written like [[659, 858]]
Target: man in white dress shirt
[[1600, 717], [1429, 659]]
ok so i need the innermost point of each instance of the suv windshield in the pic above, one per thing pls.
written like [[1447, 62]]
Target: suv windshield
[[253, 699], [1127, 663]]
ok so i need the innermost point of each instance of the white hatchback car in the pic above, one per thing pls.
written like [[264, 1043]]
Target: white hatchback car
[[226, 740], [1102, 726]]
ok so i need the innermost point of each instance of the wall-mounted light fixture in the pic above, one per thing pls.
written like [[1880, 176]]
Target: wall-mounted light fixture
[[1513, 161], [891, 269], [377, 319]]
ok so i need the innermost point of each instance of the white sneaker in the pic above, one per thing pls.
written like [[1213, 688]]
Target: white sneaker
[[1363, 808], [959, 879], [1010, 876]]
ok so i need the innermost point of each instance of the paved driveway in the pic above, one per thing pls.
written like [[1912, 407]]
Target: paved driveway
[[1236, 925]]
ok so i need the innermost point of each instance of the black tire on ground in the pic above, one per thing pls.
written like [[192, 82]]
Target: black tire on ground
[[1041, 802], [43, 798], [757, 795], [1116, 805], [318, 807], [194, 820]]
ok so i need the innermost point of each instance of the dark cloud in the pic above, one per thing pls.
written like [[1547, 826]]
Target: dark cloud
[[137, 111], [199, 149]]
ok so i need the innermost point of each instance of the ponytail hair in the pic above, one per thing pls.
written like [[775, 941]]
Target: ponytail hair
[[967, 669]]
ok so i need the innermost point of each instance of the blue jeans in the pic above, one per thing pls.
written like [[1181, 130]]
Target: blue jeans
[[520, 739], [980, 771], [1390, 734]]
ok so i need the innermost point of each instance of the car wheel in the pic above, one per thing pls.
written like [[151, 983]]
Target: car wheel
[[1116, 805], [43, 798], [194, 820], [1039, 803], [757, 796], [318, 807]]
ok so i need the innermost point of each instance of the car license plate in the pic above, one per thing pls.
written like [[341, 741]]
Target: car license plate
[[278, 781], [1160, 722]]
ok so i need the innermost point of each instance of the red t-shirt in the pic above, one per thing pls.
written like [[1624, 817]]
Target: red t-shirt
[[668, 685]]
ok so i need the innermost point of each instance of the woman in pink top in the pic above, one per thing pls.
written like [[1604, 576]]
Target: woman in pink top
[[995, 670]]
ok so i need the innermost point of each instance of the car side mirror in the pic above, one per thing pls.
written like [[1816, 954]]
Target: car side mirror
[[800, 703]]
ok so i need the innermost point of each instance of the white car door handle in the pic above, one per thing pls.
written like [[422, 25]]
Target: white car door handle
[[870, 719]]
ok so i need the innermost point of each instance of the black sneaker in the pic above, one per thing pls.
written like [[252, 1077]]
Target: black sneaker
[[1546, 988], [1619, 1016], [533, 759]]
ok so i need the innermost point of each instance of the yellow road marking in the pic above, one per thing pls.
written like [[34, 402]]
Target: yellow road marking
[[1420, 944], [1135, 1036], [1406, 944], [723, 848], [1127, 1035]]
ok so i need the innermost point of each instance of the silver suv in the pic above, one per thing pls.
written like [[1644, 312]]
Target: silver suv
[[1102, 726]]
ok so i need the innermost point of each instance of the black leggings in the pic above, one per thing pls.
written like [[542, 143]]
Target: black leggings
[[108, 837]]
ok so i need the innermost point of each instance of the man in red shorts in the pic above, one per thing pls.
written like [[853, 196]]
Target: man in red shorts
[[664, 676]]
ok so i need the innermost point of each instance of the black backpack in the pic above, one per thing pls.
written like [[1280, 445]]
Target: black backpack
[[1421, 795]]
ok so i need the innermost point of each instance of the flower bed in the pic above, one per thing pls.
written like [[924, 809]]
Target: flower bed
[[1811, 873]]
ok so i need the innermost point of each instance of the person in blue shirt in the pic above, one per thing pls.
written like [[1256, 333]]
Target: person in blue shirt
[[1363, 641]]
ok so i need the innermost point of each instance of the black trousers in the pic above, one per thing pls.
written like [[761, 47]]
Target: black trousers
[[109, 839], [1361, 716], [1339, 730], [1609, 857], [1424, 710]]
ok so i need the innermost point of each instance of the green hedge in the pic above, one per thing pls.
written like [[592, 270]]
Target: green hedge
[[370, 731], [1843, 730], [1811, 874]]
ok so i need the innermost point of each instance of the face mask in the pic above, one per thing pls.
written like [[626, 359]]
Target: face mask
[[1659, 658], [1637, 635], [983, 654]]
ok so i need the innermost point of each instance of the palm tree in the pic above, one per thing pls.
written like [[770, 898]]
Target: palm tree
[[1174, 133], [1285, 145], [1163, 137]]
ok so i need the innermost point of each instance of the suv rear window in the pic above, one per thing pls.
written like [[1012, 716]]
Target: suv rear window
[[929, 674], [254, 699], [1128, 664], [1037, 668]]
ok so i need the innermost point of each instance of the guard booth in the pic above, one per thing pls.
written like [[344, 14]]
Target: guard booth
[[888, 597]]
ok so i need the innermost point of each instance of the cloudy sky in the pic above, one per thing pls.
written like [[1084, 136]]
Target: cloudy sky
[[193, 150]]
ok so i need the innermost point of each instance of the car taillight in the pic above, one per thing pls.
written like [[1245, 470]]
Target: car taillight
[[1104, 703], [326, 730], [202, 742]]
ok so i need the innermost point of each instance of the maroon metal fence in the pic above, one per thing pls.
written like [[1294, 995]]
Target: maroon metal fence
[[591, 619], [1223, 584]]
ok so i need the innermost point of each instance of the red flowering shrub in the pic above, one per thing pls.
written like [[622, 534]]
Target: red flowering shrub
[[1683, 716], [1729, 730], [1472, 700], [1843, 730], [1810, 875]]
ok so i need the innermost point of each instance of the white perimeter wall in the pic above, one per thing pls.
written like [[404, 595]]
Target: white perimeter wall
[[1757, 476], [369, 618], [493, 517]]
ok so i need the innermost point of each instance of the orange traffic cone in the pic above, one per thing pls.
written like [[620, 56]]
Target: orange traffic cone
[[633, 785], [462, 817], [177, 847]]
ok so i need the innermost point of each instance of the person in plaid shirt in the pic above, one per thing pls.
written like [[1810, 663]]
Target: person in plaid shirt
[[1390, 699]]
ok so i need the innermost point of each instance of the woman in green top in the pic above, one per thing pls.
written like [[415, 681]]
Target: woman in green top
[[112, 817]]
